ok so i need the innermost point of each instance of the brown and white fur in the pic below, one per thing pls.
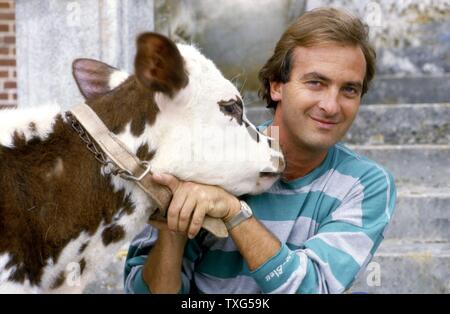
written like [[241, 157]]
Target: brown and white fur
[[60, 208]]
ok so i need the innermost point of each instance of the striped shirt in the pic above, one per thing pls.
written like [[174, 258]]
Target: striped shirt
[[329, 222]]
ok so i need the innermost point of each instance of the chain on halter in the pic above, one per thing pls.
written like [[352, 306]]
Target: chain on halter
[[98, 154]]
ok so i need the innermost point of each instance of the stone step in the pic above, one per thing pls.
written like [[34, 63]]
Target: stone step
[[409, 89], [389, 124], [404, 267], [407, 267], [401, 124], [412, 165], [421, 214]]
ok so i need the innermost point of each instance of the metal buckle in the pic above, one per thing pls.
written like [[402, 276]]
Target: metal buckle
[[129, 176]]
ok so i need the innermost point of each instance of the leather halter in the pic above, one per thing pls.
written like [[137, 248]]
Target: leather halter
[[130, 167]]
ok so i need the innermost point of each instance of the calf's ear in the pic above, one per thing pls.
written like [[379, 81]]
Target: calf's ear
[[95, 78], [159, 65]]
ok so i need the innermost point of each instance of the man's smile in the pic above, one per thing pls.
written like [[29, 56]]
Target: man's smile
[[323, 123]]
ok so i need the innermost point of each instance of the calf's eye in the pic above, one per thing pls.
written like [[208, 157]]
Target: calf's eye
[[232, 108]]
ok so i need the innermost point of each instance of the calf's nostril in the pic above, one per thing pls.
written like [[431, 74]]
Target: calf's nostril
[[268, 174]]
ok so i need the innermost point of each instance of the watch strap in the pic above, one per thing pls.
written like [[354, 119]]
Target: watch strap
[[244, 213]]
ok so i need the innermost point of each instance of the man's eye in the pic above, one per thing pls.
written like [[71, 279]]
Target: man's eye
[[314, 83], [351, 90]]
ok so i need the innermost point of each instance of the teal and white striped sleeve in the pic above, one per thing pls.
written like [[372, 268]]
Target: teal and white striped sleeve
[[134, 263], [137, 255], [345, 242]]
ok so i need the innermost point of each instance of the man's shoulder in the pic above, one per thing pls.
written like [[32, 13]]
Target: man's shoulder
[[350, 162]]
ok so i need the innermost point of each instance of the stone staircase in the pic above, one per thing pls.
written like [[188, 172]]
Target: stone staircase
[[412, 140]]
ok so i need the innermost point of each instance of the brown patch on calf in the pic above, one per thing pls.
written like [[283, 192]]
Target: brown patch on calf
[[130, 102], [18, 139], [159, 65], [83, 247], [112, 234], [82, 265], [59, 280], [143, 152]]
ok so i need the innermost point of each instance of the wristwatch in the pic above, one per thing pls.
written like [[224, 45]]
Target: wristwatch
[[244, 213]]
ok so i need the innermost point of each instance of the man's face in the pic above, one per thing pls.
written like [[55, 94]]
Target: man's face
[[320, 101]]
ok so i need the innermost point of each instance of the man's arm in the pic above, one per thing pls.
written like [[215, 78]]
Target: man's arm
[[255, 243], [261, 250], [192, 202], [162, 270]]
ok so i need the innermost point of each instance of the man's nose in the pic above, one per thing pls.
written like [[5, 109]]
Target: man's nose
[[330, 104]]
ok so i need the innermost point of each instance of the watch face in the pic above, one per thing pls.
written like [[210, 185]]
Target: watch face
[[246, 210]]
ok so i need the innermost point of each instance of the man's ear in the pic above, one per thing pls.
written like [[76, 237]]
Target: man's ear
[[159, 65], [276, 91], [95, 78]]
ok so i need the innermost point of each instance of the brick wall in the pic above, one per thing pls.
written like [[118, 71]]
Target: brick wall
[[8, 74]]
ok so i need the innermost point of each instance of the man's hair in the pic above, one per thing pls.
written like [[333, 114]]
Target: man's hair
[[313, 28]]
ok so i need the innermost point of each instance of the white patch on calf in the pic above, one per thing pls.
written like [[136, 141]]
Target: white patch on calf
[[5, 273], [19, 120], [134, 142], [117, 78]]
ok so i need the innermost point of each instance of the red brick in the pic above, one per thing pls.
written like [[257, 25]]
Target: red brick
[[4, 51], [10, 85], [3, 73], [4, 28], [4, 96], [2, 106], [5, 5], [7, 62], [9, 40], [7, 16]]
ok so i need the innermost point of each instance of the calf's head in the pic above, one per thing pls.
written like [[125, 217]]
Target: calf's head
[[190, 118]]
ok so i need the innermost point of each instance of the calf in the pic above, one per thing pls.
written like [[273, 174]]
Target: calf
[[59, 207]]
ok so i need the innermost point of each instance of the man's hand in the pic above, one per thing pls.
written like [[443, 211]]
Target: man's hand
[[191, 202]]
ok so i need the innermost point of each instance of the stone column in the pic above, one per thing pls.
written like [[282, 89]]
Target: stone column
[[52, 33]]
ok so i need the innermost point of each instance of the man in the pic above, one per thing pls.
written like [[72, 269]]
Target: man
[[320, 224]]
